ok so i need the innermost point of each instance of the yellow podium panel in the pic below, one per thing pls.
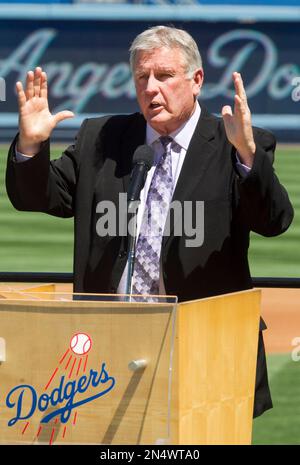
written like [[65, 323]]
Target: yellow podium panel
[[118, 370]]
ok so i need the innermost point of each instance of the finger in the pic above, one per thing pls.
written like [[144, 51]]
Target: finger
[[37, 81], [227, 111], [239, 86], [240, 108], [44, 85], [228, 117], [29, 90], [62, 115], [20, 94]]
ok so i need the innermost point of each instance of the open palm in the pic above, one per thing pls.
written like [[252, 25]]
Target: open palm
[[35, 119], [238, 125]]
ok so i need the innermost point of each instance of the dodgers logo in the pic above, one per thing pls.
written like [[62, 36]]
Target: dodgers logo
[[67, 394]]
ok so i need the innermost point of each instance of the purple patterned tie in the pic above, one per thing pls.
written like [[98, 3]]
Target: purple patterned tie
[[148, 247]]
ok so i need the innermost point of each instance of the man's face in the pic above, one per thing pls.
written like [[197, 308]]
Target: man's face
[[165, 95]]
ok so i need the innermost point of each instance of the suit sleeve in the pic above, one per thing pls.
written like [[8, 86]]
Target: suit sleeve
[[263, 202], [43, 185]]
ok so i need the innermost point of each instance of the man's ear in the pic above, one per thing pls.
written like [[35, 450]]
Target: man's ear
[[198, 79]]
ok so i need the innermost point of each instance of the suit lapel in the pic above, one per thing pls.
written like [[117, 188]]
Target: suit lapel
[[134, 136], [199, 153], [197, 160], [198, 156]]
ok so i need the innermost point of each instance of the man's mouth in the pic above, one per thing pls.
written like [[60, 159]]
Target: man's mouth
[[155, 105]]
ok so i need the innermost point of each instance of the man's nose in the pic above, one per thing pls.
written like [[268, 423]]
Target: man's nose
[[152, 85]]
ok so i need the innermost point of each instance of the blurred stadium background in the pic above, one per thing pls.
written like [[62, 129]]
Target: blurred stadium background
[[83, 47]]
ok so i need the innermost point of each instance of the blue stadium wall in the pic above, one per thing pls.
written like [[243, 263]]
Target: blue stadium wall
[[85, 53]]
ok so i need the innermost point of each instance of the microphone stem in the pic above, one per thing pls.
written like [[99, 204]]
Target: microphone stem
[[132, 223]]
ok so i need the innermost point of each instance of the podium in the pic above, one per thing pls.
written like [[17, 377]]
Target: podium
[[103, 369]]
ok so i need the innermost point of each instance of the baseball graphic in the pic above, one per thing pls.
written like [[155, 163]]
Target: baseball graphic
[[80, 343]]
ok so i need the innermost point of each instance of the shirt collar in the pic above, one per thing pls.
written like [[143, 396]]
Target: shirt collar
[[182, 136]]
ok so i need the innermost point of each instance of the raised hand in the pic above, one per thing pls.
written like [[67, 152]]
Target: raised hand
[[238, 125], [35, 120]]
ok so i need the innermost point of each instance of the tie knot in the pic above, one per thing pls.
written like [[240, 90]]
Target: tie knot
[[165, 140]]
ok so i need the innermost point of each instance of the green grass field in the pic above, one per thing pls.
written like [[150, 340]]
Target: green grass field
[[280, 256], [37, 242], [32, 241], [281, 425]]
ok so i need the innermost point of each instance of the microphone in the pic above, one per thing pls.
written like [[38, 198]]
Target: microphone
[[142, 161]]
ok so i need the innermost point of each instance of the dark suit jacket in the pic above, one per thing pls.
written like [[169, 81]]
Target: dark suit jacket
[[98, 166]]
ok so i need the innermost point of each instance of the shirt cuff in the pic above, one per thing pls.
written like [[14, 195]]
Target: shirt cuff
[[20, 157], [243, 170]]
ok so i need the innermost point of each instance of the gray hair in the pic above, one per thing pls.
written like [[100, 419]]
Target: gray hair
[[170, 37]]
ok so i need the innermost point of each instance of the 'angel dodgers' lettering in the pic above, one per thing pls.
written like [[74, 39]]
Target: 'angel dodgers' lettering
[[25, 400], [74, 86]]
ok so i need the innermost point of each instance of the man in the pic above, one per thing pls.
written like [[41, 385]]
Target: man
[[223, 162]]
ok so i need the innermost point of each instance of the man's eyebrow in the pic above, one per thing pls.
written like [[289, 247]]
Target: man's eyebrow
[[157, 71], [166, 70]]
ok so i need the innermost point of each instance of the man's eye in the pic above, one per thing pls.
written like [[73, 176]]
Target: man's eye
[[163, 76]]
